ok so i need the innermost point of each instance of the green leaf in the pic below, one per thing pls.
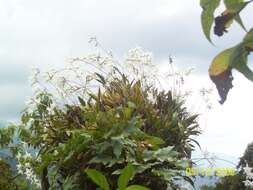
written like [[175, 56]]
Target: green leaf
[[25, 118], [239, 60], [126, 175], [207, 15], [117, 145], [100, 78], [239, 57], [231, 2], [232, 58], [98, 178], [248, 38], [137, 187], [236, 6], [154, 141], [240, 22], [162, 154], [82, 102]]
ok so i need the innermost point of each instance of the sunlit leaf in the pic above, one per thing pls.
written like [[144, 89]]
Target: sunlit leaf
[[98, 178], [220, 63], [126, 174]]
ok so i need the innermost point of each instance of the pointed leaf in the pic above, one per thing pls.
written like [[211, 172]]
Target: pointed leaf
[[82, 102], [98, 178], [207, 15], [240, 22], [126, 175], [100, 78]]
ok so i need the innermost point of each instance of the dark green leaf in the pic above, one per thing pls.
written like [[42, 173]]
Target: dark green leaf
[[100, 78], [82, 102]]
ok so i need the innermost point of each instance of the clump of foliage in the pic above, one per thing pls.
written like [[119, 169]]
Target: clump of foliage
[[6, 176], [103, 121], [229, 182], [235, 57]]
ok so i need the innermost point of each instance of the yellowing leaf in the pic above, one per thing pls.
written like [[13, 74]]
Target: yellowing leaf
[[220, 73], [220, 63]]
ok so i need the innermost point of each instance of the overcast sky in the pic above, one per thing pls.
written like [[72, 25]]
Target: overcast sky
[[45, 33]]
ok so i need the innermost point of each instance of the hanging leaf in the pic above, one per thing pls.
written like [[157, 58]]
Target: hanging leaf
[[207, 15], [233, 58], [220, 73], [224, 21]]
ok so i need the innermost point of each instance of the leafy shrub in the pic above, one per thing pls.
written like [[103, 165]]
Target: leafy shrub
[[122, 121]]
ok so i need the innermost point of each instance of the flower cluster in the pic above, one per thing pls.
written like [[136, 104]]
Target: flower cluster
[[24, 167], [138, 55]]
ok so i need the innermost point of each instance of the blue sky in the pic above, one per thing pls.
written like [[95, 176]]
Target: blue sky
[[45, 33]]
